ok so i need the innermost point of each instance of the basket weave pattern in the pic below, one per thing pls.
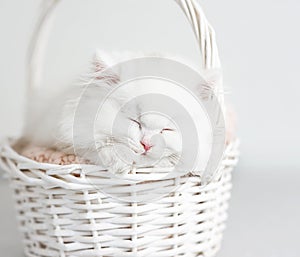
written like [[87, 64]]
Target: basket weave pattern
[[63, 215], [72, 218]]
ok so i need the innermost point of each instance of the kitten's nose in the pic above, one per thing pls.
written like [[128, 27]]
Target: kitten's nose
[[146, 146]]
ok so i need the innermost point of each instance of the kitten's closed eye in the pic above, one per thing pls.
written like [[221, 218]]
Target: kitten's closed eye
[[137, 122], [166, 129]]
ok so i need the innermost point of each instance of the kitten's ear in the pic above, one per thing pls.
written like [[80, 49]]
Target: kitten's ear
[[102, 68], [213, 76], [211, 84]]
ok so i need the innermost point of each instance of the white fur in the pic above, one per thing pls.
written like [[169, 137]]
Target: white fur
[[52, 124]]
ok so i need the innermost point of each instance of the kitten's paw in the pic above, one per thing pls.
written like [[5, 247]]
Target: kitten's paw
[[121, 170]]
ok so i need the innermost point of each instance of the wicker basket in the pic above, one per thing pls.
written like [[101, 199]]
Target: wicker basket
[[61, 212]]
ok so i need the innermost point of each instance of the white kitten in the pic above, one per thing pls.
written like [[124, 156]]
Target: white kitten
[[108, 131]]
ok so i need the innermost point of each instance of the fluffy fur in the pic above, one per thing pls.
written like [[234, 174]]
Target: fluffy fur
[[72, 122]]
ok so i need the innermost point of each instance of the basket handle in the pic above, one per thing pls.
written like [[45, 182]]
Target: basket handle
[[203, 31]]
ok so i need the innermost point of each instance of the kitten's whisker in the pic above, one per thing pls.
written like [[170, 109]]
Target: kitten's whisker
[[174, 158], [111, 141], [102, 147]]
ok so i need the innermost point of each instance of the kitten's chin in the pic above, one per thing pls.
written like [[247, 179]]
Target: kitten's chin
[[152, 160]]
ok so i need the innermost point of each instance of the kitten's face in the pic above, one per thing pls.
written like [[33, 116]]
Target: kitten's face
[[135, 136], [156, 137]]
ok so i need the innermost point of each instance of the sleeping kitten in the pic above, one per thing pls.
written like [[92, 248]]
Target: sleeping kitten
[[116, 135]]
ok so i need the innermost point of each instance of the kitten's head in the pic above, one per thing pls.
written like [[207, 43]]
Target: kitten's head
[[139, 136], [128, 132]]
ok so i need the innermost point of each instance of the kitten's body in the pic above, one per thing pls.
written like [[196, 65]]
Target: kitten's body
[[76, 122]]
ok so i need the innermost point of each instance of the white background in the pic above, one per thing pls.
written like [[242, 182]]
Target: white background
[[259, 47]]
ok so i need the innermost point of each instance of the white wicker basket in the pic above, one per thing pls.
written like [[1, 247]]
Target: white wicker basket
[[61, 212]]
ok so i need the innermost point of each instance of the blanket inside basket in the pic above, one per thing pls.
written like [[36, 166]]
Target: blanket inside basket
[[52, 156]]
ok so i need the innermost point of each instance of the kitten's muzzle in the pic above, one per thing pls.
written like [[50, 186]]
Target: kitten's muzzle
[[146, 146]]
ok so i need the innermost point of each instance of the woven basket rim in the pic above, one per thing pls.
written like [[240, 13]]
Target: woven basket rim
[[8, 144], [64, 174]]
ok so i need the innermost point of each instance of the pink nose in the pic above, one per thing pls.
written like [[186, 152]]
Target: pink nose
[[146, 146]]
